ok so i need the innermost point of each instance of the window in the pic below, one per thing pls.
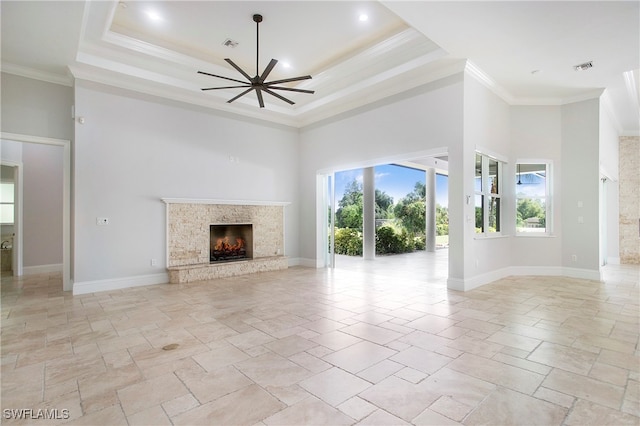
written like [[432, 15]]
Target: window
[[532, 198], [488, 192], [6, 203]]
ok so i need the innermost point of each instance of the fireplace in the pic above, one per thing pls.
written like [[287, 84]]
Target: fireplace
[[230, 242]]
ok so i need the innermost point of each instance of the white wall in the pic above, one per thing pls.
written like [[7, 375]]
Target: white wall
[[36, 108], [536, 133], [397, 128], [42, 205], [132, 150], [580, 187], [486, 128]]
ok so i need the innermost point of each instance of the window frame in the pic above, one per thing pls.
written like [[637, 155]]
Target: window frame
[[7, 203], [548, 198], [487, 194]]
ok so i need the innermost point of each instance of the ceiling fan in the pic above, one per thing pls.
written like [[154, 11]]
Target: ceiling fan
[[258, 82]]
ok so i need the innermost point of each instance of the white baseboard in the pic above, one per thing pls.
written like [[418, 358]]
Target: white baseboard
[[480, 280], [301, 261], [41, 269], [119, 283]]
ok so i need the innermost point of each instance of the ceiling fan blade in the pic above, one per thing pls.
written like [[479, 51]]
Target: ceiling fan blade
[[287, 80], [226, 87], [238, 69], [268, 69], [291, 89], [219, 76], [260, 100], [241, 94], [278, 96]]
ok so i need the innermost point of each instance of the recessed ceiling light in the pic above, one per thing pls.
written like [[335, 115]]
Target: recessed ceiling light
[[286, 64], [153, 15], [363, 17]]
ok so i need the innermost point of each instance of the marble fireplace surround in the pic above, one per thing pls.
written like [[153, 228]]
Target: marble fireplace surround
[[188, 233]]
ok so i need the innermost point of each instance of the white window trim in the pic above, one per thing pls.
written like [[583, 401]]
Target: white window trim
[[486, 194], [548, 198]]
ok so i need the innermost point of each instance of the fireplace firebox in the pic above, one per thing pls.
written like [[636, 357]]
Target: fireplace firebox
[[230, 242]]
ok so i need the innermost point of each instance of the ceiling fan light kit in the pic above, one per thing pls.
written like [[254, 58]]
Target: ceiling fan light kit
[[259, 83]]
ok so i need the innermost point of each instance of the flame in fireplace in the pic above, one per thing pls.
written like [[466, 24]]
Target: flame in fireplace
[[223, 244]]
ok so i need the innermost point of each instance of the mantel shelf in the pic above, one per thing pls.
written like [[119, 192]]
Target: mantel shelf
[[228, 202]]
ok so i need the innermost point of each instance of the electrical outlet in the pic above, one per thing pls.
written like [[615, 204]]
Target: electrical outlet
[[574, 258], [154, 262], [102, 221]]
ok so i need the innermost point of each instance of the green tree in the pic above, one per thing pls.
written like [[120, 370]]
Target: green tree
[[350, 206], [442, 220], [528, 208], [411, 210]]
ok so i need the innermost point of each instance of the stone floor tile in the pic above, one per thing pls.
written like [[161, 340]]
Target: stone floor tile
[[357, 408], [504, 406], [143, 395], [336, 340], [180, 405], [451, 408], [246, 406], [589, 413], [310, 362], [399, 397], [431, 324], [272, 370], [290, 345], [334, 386], [380, 371], [210, 385], [514, 340], [150, 416], [411, 375], [111, 415], [371, 333], [238, 331], [381, 418], [522, 363], [220, 357], [585, 388], [357, 357], [310, 411], [569, 359], [430, 418], [554, 397], [421, 359], [498, 373]]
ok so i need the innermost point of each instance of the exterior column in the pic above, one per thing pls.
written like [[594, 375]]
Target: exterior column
[[368, 214], [430, 204]]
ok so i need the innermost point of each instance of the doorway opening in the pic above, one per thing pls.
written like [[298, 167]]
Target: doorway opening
[[401, 213], [12, 156]]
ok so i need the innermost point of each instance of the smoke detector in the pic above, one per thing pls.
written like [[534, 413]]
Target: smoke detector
[[583, 67]]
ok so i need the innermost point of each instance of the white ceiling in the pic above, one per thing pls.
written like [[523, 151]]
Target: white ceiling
[[353, 63]]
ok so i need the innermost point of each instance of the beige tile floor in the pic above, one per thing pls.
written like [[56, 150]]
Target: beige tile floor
[[368, 343]]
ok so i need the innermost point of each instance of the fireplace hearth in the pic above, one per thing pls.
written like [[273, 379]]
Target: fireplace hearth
[[230, 242]]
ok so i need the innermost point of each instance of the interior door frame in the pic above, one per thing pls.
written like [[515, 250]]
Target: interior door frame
[[16, 258], [67, 282]]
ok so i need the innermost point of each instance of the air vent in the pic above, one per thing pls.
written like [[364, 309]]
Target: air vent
[[583, 67], [230, 43]]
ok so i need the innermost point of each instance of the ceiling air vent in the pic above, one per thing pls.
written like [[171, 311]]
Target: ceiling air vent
[[230, 43], [583, 67]]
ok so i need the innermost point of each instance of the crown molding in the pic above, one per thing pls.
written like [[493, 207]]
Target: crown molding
[[22, 71]]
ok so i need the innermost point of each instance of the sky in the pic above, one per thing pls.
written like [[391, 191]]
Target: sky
[[395, 181]]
